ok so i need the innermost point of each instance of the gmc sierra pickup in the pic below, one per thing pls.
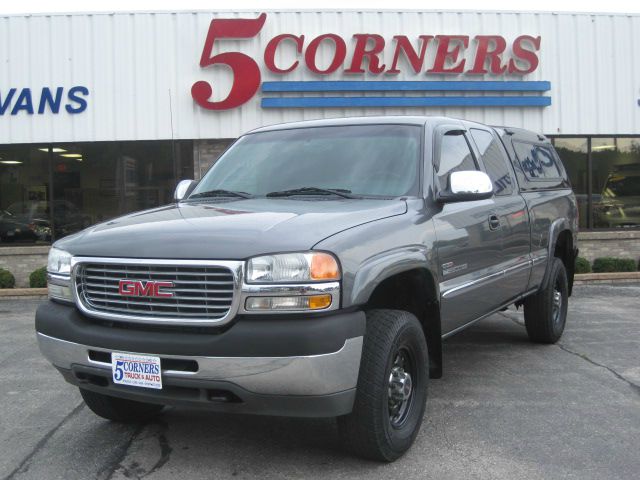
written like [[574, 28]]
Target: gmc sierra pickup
[[315, 271]]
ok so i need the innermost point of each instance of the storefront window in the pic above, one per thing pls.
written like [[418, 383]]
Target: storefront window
[[50, 191], [574, 155], [86, 185], [24, 194], [93, 182], [616, 182], [148, 175]]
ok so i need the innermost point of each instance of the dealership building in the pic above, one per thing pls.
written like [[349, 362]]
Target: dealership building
[[102, 114]]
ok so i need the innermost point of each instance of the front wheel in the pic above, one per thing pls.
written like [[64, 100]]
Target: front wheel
[[119, 409], [545, 313], [392, 388]]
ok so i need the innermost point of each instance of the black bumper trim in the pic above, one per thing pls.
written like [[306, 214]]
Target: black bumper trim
[[277, 336], [198, 394]]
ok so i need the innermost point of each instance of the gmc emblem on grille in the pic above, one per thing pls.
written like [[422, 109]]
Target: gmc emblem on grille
[[138, 288]]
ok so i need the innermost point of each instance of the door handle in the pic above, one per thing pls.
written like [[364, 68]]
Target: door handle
[[494, 222]]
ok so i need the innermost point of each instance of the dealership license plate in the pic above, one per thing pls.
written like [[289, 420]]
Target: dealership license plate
[[136, 370]]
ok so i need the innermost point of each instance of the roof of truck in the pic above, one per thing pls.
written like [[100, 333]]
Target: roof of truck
[[419, 120], [342, 121]]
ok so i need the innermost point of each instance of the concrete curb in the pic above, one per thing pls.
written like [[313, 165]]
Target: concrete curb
[[609, 278], [16, 293]]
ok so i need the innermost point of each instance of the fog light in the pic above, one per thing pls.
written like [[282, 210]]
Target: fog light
[[312, 302]]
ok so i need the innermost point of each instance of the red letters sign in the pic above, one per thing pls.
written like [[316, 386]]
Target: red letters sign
[[490, 56], [137, 288]]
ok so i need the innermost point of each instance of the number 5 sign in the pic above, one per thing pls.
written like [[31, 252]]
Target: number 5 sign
[[246, 73]]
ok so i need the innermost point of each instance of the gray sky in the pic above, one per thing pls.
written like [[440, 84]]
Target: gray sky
[[42, 6]]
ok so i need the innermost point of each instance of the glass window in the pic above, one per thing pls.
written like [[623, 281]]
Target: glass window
[[148, 175], [574, 155], [495, 161], [86, 185], [538, 161], [24, 194], [616, 182], [366, 160], [92, 182], [455, 156], [96, 181]]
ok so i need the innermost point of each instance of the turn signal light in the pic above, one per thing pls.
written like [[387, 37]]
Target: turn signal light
[[324, 267]]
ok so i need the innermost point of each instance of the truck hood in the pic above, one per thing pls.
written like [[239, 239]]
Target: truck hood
[[227, 229]]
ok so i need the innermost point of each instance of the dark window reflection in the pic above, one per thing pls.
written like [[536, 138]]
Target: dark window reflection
[[93, 182], [574, 155], [616, 182], [85, 185], [24, 194]]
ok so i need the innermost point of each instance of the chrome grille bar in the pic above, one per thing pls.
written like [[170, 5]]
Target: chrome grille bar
[[202, 292]]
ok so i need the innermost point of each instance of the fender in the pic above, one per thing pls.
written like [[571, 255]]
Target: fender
[[556, 227], [378, 268]]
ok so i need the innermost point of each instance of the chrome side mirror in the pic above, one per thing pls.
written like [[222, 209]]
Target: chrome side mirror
[[467, 185], [183, 189]]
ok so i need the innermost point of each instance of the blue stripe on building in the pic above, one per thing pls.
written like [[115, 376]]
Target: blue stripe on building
[[341, 102]]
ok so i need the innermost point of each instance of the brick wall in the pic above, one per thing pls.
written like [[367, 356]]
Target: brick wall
[[620, 244], [205, 153], [21, 261]]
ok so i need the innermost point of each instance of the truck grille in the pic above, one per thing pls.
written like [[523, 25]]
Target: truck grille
[[197, 292]]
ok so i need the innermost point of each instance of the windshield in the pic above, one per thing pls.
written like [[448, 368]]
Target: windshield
[[369, 160]]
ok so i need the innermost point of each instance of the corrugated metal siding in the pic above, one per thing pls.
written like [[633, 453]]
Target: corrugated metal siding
[[139, 69]]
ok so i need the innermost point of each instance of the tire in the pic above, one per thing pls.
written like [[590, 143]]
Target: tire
[[119, 409], [380, 427], [545, 313]]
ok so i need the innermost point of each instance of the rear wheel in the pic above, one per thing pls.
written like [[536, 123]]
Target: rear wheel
[[119, 409], [545, 313], [392, 387]]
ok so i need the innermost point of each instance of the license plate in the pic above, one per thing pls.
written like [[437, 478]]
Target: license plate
[[136, 370]]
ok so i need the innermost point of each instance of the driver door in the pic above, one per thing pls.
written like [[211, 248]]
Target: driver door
[[468, 240]]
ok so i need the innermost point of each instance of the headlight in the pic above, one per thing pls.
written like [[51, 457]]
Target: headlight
[[293, 267], [58, 272], [59, 262]]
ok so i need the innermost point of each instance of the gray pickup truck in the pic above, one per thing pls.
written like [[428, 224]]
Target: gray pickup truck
[[315, 271]]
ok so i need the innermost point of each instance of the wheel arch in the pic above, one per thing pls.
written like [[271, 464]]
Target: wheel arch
[[562, 246], [405, 280]]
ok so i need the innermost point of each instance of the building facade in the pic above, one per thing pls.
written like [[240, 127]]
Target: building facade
[[102, 114]]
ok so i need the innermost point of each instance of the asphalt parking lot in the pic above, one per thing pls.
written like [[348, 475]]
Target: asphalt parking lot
[[505, 408]]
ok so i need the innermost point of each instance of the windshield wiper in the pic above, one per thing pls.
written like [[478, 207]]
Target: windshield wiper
[[341, 192], [220, 193]]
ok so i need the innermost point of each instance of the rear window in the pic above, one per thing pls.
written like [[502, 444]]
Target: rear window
[[537, 161]]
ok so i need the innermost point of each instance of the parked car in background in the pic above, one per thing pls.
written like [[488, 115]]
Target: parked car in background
[[16, 228], [29, 221], [619, 204]]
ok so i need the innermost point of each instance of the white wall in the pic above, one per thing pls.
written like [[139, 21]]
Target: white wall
[[140, 67]]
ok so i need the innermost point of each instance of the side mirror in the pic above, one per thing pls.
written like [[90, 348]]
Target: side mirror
[[183, 189], [466, 186]]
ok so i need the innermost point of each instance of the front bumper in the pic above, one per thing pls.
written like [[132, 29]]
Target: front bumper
[[302, 367]]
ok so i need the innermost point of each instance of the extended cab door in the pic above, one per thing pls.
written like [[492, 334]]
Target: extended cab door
[[510, 209], [468, 240]]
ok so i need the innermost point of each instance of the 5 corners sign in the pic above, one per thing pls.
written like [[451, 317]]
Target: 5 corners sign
[[461, 55]]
